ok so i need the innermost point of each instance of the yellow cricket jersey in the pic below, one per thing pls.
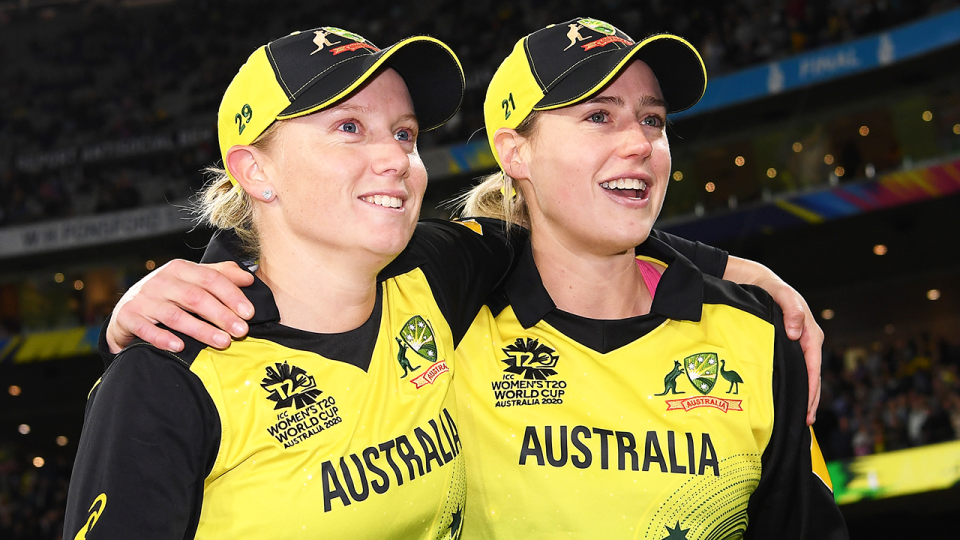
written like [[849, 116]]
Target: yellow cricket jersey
[[687, 423], [291, 434]]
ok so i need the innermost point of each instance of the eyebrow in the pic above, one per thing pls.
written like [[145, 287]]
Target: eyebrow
[[350, 107], [652, 101], [645, 101], [612, 100], [366, 110]]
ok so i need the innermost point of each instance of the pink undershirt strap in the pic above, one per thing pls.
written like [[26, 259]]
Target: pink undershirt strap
[[650, 276]]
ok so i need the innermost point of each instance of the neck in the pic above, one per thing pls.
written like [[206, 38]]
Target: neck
[[319, 290], [589, 284]]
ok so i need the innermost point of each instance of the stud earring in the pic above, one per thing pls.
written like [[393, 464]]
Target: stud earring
[[267, 194]]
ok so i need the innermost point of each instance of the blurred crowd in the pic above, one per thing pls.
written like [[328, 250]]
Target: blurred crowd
[[79, 74], [889, 397], [32, 500]]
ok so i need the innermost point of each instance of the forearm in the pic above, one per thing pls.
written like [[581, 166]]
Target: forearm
[[747, 272]]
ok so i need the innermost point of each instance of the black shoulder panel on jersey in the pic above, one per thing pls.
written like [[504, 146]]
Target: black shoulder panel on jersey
[[710, 260], [749, 298], [462, 265]]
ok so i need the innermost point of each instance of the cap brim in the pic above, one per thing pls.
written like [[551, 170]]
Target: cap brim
[[675, 62], [429, 68]]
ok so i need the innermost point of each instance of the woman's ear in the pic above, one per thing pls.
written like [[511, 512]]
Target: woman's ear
[[508, 144], [245, 165]]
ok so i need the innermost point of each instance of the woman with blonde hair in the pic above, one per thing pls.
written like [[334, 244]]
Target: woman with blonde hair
[[512, 371], [610, 389], [335, 417]]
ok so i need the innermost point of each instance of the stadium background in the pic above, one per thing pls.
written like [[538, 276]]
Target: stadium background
[[828, 148]]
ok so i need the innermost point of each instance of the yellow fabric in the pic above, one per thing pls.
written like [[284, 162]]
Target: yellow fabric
[[617, 392], [818, 463], [255, 86], [261, 487], [511, 95]]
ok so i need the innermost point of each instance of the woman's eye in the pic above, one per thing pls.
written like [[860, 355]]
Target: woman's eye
[[654, 121], [598, 117], [404, 135], [349, 127]]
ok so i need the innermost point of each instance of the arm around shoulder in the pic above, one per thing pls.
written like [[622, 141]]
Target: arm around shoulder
[[150, 437]]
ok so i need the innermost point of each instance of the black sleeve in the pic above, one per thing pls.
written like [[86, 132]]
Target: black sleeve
[[463, 261], [150, 437], [102, 347], [791, 501], [710, 260]]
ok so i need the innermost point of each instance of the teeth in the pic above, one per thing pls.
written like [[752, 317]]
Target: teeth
[[385, 201], [625, 183]]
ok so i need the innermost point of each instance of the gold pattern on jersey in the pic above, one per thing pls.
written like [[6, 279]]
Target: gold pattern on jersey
[[96, 509]]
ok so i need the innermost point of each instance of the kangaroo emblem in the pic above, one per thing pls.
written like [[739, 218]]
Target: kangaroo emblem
[[320, 40], [670, 381], [402, 358], [574, 35]]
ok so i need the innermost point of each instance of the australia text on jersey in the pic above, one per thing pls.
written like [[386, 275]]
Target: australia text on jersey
[[380, 467], [583, 447]]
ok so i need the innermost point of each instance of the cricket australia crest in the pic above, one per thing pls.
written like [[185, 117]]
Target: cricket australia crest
[[417, 335], [702, 370]]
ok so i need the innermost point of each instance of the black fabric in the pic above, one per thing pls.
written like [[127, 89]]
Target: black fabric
[[311, 75], [353, 347], [679, 296], [149, 418], [568, 70], [790, 502], [710, 260], [105, 355], [462, 267]]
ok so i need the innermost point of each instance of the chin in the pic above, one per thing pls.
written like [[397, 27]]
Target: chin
[[390, 243]]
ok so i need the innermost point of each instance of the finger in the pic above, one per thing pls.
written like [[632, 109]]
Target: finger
[[233, 272], [812, 413], [794, 311], [811, 342], [222, 286], [793, 305], [176, 319], [149, 332], [181, 296]]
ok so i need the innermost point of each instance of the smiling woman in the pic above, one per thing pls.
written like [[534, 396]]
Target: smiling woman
[[598, 312], [341, 395], [589, 194]]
